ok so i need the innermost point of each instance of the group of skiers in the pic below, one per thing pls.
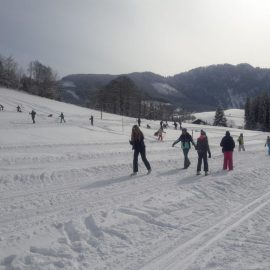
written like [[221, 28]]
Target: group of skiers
[[202, 146], [33, 115]]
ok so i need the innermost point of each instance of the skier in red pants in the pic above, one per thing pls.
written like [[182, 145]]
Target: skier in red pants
[[227, 143]]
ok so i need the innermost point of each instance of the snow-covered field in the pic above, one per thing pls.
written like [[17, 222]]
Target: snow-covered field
[[67, 200], [235, 117]]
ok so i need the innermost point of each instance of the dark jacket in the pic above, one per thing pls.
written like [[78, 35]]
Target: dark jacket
[[185, 141], [227, 143], [202, 145], [138, 144]]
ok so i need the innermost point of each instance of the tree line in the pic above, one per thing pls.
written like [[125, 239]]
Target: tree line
[[38, 79], [122, 96], [257, 113]]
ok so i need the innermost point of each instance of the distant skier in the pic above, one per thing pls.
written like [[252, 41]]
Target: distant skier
[[19, 109], [160, 134], [161, 124], [62, 118], [186, 140], [241, 143], [137, 142], [1, 107], [268, 144], [202, 149], [175, 125], [147, 126], [33, 115], [139, 121], [91, 120], [227, 143]]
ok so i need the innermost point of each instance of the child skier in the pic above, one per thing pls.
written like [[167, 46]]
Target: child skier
[[241, 142], [137, 142], [185, 139], [202, 149], [227, 143], [160, 134]]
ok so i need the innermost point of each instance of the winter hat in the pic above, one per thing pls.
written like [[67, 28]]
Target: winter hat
[[227, 133], [184, 129]]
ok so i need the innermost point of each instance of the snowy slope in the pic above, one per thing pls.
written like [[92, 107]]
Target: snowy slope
[[67, 201]]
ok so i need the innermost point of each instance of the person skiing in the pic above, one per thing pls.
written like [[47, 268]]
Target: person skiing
[[227, 143], [161, 123], [137, 142], [268, 144], [91, 120], [175, 125], [19, 108], [62, 118], [33, 115], [185, 139], [202, 149], [241, 142], [139, 121], [160, 134], [1, 107]]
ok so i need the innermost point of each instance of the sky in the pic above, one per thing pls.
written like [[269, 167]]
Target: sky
[[123, 36]]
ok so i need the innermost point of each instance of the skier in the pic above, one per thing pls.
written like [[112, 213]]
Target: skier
[[91, 120], [62, 118], [137, 142], [268, 144], [202, 149], [1, 107], [148, 126], [160, 134], [175, 125], [139, 121], [161, 124], [241, 142], [185, 139], [19, 109], [33, 115], [227, 143]]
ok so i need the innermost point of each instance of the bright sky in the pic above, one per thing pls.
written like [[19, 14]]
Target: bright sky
[[121, 36]]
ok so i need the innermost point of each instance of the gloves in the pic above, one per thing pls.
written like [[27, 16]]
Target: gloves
[[173, 144], [131, 142], [209, 155]]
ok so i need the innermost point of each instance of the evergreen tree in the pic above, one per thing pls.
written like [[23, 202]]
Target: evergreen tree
[[257, 113], [248, 114], [220, 119]]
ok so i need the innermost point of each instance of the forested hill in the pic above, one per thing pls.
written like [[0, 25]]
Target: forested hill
[[199, 89]]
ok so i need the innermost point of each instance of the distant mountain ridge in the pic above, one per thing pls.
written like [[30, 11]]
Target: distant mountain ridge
[[199, 89]]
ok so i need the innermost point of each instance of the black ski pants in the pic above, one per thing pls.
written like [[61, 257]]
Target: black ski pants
[[144, 159], [202, 156]]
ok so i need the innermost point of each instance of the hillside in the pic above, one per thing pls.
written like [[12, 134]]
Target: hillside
[[200, 89], [68, 202]]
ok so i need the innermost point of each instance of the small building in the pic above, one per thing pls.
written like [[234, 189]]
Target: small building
[[199, 122]]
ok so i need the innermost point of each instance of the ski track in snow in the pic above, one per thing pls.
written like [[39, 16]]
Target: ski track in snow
[[67, 200]]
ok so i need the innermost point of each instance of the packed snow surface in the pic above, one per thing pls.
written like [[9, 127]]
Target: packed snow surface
[[67, 200]]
